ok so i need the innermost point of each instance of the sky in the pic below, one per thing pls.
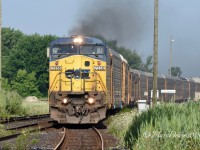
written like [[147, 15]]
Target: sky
[[130, 22]]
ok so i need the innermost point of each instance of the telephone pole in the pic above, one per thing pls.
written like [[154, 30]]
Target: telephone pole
[[0, 38], [155, 53], [170, 65]]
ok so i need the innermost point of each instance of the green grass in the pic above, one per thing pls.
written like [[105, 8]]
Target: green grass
[[4, 132], [119, 123], [36, 108], [167, 126], [12, 104]]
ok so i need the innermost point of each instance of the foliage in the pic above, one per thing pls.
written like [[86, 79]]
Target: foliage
[[10, 38], [6, 146], [168, 126], [22, 141], [5, 84], [10, 104], [27, 53], [148, 66], [176, 71], [24, 83]]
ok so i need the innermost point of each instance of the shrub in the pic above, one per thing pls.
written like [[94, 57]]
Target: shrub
[[10, 104]]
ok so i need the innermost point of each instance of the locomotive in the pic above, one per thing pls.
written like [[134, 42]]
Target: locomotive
[[87, 78], [78, 90]]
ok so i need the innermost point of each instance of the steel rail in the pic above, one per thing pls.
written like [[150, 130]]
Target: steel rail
[[12, 119], [29, 125], [100, 136], [58, 146]]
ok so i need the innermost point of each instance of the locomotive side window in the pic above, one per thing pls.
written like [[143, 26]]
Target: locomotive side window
[[60, 51]]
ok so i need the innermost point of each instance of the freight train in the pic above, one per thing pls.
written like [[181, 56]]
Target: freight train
[[87, 78]]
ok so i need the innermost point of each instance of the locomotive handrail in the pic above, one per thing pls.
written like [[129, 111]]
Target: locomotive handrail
[[53, 84], [101, 82], [54, 81]]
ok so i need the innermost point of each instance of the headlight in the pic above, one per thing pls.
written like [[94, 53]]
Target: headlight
[[65, 100], [78, 40], [91, 100]]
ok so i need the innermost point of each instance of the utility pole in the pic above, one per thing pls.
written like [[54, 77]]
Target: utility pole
[[0, 38], [155, 53], [170, 65]]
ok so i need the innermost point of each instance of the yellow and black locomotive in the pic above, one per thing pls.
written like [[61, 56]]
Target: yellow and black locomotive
[[79, 80]]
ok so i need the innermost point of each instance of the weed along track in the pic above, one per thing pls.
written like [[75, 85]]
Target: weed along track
[[46, 138], [81, 139]]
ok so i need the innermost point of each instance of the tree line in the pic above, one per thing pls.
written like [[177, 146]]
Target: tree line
[[25, 65]]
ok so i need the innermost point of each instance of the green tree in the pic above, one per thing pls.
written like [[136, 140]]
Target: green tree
[[30, 54], [5, 84], [148, 66], [10, 38], [176, 71], [24, 83]]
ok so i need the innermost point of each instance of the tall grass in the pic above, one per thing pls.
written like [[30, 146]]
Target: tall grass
[[168, 126], [36, 108], [119, 123]]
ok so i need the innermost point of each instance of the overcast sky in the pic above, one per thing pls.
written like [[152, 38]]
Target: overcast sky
[[179, 18]]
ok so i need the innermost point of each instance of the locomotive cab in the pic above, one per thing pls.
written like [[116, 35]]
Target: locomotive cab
[[77, 80]]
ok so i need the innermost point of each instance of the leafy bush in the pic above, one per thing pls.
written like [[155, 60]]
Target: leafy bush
[[24, 83], [10, 104], [168, 126]]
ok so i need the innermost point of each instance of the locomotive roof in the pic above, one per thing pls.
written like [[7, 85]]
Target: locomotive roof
[[70, 40]]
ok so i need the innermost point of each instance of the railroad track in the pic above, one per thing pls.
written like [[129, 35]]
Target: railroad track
[[35, 127], [13, 119], [81, 139], [17, 123], [30, 123]]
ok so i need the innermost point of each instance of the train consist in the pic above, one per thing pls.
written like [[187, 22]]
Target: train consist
[[86, 78]]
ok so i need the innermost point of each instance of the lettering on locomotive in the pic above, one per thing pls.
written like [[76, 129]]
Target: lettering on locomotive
[[55, 68], [99, 68]]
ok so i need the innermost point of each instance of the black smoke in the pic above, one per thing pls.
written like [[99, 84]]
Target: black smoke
[[123, 20]]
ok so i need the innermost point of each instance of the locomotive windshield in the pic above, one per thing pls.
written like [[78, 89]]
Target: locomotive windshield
[[91, 49], [60, 51]]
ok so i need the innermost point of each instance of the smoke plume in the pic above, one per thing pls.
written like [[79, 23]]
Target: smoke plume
[[123, 20]]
